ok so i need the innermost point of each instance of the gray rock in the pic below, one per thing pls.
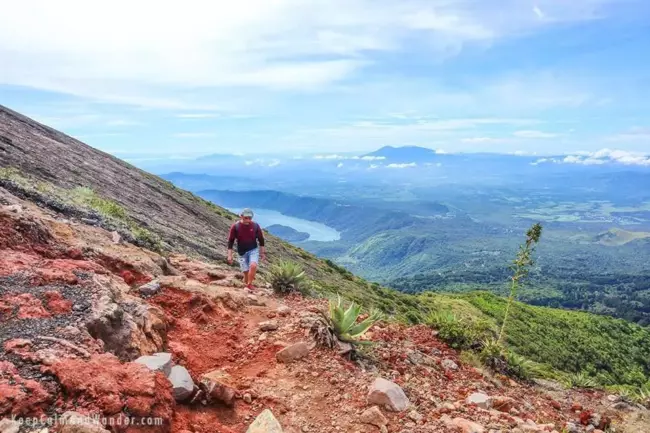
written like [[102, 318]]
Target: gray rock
[[293, 352], [157, 362], [74, 422], [448, 364], [90, 221], [269, 325], [182, 383], [115, 237], [9, 426], [571, 428], [386, 393], [479, 399], [265, 423], [151, 288]]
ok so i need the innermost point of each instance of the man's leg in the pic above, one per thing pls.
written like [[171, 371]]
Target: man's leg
[[244, 266], [254, 257]]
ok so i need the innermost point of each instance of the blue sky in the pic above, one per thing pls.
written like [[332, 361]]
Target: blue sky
[[142, 78]]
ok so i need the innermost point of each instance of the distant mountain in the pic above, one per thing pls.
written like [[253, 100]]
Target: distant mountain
[[405, 154]]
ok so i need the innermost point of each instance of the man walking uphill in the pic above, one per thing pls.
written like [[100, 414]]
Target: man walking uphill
[[247, 233]]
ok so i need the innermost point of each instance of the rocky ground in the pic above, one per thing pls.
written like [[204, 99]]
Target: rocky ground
[[93, 326]]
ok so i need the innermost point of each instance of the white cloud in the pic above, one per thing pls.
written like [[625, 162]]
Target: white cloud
[[274, 163], [340, 164], [603, 156], [160, 53], [538, 12], [372, 158], [533, 134], [412, 164]]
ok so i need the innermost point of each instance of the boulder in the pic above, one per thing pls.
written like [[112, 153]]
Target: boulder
[[373, 416], [269, 325], [386, 393], [74, 422], [293, 352], [448, 364], [9, 426], [479, 399], [151, 288], [182, 383], [217, 386], [467, 426], [115, 237], [265, 423], [283, 310], [157, 362]]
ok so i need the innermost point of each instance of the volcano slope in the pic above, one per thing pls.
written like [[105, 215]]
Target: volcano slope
[[100, 264]]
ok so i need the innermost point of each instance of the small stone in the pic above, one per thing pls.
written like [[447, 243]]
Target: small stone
[[151, 288], [157, 362], [115, 237], [293, 352], [467, 426], [448, 364], [13, 208], [383, 429], [502, 403], [374, 417], [590, 429], [386, 393], [9, 426], [283, 310], [479, 399], [182, 383], [74, 422], [265, 423], [269, 325], [571, 428], [90, 221], [217, 386], [247, 398], [255, 301], [415, 416]]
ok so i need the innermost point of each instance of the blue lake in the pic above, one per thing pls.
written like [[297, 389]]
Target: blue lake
[[317, 231]]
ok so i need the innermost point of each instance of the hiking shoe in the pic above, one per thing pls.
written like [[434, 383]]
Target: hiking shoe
[[251, 287]]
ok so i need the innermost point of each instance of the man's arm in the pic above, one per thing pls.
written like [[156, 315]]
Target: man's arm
[[260, 238], [231, 242]]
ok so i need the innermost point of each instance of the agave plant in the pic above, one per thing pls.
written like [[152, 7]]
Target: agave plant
[[339, 324], [519, 366], [580, 380], [286, 277], [493, 355]]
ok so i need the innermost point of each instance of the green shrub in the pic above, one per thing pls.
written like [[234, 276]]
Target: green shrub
[[286, 277], [458, 333], [88, 197]]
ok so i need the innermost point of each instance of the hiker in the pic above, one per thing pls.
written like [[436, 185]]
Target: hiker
[[247, 234]]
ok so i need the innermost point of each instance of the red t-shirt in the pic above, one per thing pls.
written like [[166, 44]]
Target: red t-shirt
[[246, 235]]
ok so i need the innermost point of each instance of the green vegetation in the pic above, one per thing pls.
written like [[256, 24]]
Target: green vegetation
[[342, 325], [520, 267], [87, 197], [286, 277]]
